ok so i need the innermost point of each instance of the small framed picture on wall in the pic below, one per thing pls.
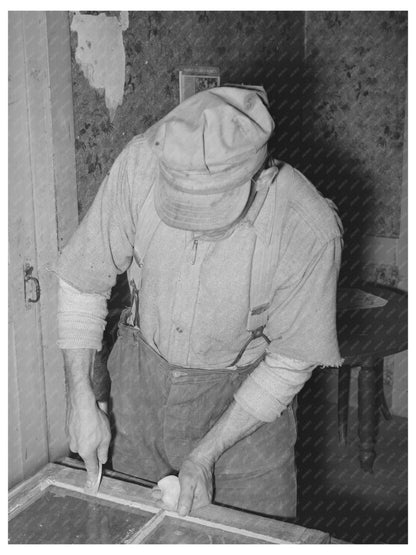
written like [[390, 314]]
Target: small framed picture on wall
[[196, 79]]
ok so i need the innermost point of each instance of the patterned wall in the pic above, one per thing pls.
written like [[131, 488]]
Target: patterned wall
[[353, 124]]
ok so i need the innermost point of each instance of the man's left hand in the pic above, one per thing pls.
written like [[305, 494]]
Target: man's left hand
[[195, 479]]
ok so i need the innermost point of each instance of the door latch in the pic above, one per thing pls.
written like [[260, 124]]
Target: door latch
[[28, 269]]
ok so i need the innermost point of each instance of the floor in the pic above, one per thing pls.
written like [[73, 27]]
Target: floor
[[334, 494]]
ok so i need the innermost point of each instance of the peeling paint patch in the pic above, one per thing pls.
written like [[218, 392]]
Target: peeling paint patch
[[100, 54]]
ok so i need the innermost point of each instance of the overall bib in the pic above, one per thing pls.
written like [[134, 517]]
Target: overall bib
[[161, 412]]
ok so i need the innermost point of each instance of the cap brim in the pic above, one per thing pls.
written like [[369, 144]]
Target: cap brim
[[196, 212]]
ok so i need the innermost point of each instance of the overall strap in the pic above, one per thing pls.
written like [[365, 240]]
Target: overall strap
[[270, 197], [148, 222]]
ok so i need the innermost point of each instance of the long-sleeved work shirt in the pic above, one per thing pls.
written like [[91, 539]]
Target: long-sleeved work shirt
[[194, 292]]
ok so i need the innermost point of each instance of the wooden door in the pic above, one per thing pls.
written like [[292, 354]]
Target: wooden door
[[42, 216]]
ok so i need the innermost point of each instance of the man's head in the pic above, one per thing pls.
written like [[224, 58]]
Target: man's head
[[209, 148]]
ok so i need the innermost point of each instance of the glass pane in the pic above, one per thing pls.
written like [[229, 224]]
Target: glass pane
[[64, 516]]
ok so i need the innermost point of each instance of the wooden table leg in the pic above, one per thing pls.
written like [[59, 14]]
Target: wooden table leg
[[343, 402], [367, 415], [381, 399]]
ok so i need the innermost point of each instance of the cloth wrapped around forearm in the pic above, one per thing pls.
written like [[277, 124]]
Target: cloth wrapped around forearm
[[81, 318], [270, 388]]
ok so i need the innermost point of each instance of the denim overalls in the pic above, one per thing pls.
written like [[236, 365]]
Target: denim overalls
[[161, 412]]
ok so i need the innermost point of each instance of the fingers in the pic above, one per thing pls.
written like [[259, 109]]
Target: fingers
[[186, 496], [102, 451], [195, 486], [91, 464], [73, 445], [202, 497]]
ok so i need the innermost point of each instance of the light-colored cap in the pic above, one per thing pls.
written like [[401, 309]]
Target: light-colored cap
[[208, 148]]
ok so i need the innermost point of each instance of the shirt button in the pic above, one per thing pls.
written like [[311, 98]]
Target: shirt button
[[179, 329]]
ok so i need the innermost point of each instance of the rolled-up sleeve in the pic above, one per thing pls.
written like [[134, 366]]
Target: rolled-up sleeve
[[267, 392]]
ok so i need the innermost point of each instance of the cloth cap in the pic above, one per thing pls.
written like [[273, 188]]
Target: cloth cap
[[208, 148]]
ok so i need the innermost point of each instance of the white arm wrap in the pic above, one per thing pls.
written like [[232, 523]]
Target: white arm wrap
[[270, 388], [81, 318]]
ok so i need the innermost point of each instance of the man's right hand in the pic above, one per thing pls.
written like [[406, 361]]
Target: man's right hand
[[89, 433], [87, 426]]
